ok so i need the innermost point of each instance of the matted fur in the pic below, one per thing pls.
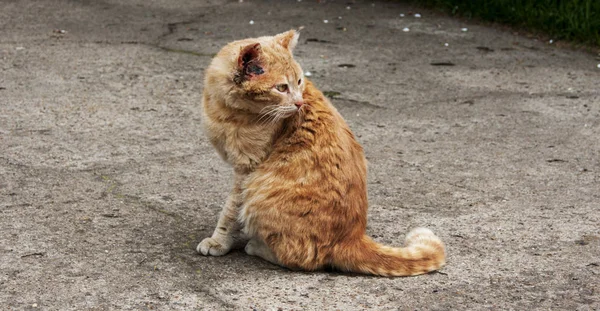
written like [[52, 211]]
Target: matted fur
[[300, 191]]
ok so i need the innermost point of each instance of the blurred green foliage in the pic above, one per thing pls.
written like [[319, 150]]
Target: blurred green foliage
[[575, 20]]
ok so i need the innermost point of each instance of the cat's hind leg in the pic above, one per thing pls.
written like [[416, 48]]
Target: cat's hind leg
[[257, 247]]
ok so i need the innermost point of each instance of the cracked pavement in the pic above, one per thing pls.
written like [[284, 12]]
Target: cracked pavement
[[107, 183]]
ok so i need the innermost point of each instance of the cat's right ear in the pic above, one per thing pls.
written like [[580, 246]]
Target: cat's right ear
[[289, 39], [249, 62]]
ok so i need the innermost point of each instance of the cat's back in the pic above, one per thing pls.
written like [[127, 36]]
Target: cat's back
[[316, 171], [317, 148]]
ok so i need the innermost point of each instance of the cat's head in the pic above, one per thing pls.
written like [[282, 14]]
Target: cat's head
[[266, 77]]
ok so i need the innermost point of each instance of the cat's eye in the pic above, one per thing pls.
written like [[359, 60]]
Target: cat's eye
[[282, 88], [299, 81]]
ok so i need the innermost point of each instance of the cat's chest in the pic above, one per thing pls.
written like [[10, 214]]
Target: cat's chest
[[250, 139], [242, 145]]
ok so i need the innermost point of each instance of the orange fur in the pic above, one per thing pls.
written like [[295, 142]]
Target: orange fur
[[300, 193]]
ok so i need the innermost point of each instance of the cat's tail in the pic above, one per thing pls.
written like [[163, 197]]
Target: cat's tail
[[424, 252]]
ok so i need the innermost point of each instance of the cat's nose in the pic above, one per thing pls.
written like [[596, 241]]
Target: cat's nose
[[299, 104]]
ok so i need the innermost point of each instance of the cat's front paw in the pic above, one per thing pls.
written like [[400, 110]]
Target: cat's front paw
[[210, 246]]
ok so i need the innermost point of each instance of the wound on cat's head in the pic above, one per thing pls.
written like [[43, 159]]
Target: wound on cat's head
[[265, 74], [249, 63]]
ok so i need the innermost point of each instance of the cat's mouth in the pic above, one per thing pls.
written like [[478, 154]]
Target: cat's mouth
[[275, 113]]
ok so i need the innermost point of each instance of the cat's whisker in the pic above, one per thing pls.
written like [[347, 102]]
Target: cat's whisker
[[266, 113], [267, 109], [263, 118], [279, 115], [287, 111], [273, 117], [274, 113]]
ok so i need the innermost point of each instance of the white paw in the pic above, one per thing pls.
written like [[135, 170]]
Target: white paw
[[210, 246]]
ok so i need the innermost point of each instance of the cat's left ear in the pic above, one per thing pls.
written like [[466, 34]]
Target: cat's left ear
[[249, 64], [288, 39]]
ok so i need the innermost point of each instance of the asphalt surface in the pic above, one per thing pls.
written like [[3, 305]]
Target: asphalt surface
[[107, 183]]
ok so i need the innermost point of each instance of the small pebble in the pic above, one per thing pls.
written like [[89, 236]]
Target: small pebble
[[446, 44], [18, 48], [551, 41], [401, 14], [339, 17], [598, 66], [34, 305], [251, 22], [464, 29], [325, 21], [308, 74], [406, 29], [348, 8], [418, 15]]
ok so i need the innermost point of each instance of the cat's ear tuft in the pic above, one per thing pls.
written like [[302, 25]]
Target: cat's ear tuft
[[288, 39], [249, 63]]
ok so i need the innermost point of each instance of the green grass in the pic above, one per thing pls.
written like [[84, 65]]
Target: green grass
[[573, 20]]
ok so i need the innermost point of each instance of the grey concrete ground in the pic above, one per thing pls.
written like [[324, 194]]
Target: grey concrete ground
[[107, 182]]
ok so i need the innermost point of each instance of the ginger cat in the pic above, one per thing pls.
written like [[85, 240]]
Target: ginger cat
[[300, 190]]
